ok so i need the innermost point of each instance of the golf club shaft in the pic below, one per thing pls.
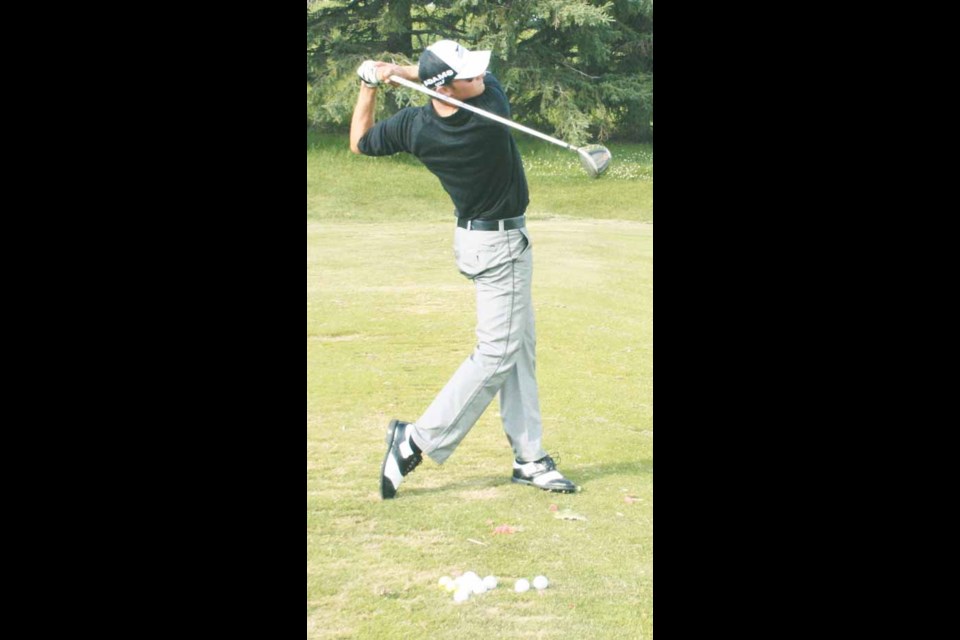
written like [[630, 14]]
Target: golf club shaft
[[485, 114]]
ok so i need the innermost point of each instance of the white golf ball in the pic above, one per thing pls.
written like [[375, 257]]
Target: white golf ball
[[522, 585], [490, 582], [478, 587], [470, 578], [461, 595], [540, 582]]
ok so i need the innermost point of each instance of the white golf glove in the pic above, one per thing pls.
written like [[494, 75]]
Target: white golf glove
[[368, 73]]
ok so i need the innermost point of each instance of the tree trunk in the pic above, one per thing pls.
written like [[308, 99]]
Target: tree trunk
[[399, 39]]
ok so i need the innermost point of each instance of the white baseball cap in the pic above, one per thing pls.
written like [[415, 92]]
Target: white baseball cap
[[445, 61]]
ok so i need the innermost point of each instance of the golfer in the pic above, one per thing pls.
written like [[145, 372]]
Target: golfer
[[479, 166]]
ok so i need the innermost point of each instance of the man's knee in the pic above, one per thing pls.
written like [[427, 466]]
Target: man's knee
[[494, 359]]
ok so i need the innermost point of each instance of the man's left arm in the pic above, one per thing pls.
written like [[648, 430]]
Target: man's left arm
[[494, 99]]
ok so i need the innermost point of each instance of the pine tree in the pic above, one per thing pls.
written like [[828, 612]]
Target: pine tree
[[576, 69]]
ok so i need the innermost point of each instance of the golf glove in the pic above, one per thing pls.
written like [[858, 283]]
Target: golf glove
[[368, 73]]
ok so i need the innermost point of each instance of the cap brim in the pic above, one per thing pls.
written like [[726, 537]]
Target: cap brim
[[475, 64]]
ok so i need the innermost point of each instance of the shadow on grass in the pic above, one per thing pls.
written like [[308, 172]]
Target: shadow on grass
[[580, 474], [485, 482], [602, 470]]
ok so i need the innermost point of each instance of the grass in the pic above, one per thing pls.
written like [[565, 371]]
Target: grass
[[388, 320], [345, 186]]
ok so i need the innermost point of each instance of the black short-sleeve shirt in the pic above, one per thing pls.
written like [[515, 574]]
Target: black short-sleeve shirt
[[475, 158]]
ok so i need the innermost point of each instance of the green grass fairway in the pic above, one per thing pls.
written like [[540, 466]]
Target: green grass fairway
[[389, 319], [344, 186]]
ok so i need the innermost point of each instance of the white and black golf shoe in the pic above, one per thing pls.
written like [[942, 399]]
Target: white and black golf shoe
[[403, 456], [542, 474]]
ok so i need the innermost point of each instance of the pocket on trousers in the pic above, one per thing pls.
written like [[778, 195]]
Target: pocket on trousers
[[488, 256], [526, 244], [476, 253]]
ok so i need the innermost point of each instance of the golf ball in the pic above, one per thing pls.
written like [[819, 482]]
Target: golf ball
[[461, 595], [478, 587], [490, 582], [470, 578], [522, 585], [540, 582]]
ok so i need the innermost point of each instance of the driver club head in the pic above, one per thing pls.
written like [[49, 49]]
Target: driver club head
[[595, 158]]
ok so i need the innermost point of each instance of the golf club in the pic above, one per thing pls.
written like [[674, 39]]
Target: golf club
[[595, 158]]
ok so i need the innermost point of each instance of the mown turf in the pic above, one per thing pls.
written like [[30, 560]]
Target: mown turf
[[344, 186], [388, 321]]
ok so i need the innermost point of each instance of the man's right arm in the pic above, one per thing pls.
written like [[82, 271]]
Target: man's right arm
[[363, 112], [362, 116]]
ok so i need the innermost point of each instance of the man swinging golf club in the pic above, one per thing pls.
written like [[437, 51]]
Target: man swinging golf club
[[479, 166]]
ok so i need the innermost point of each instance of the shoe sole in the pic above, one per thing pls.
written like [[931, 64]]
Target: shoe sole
[[387, 491], [530, 482]]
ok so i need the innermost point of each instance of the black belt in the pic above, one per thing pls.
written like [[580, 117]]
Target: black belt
[[493, 225]]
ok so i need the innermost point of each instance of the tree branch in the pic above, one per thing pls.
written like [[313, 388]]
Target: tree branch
[[587, 75]]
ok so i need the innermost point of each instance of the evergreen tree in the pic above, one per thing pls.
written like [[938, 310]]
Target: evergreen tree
[[578, 69]]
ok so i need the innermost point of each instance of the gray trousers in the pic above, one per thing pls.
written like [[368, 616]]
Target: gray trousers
[[500, 263]]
